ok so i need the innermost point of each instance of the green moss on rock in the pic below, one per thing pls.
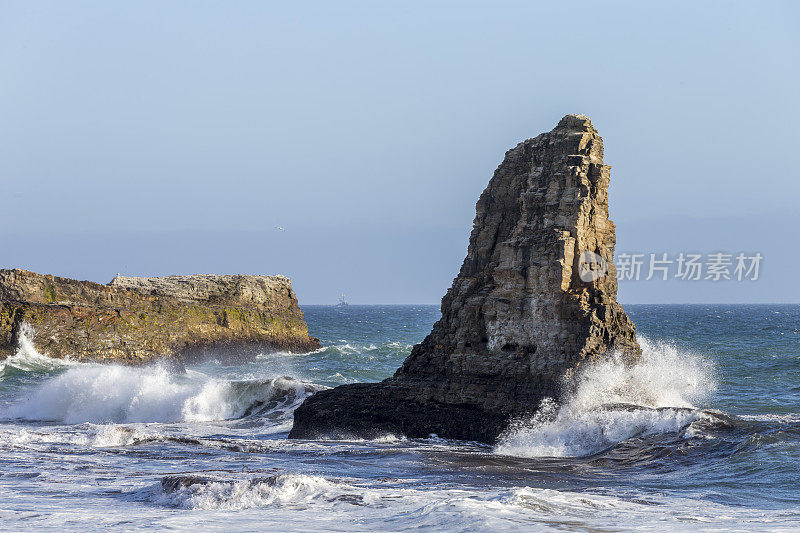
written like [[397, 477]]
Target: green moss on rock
[[139, 319]]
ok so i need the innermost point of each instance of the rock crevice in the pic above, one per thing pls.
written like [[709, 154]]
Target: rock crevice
[[534, 299]]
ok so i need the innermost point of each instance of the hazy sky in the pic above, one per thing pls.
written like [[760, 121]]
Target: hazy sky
[[152, 138]]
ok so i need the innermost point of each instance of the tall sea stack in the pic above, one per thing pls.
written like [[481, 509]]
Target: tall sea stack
[[535, 298]]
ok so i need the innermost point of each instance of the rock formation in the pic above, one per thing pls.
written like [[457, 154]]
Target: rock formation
[[535, 298], [134, 320]]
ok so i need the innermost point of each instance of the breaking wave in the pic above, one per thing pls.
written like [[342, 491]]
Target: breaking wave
[[103, 394], [113, 393], [350, 505], [613, 402], [192, 492], [26, 359]]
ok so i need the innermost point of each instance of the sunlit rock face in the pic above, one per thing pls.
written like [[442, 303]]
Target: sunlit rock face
[[535, 298], [137, 320]]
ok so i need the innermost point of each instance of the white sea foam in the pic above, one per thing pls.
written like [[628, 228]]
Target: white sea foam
[[28, 359], [113, 435], [23, 438], [100, 436], [121, 394], [283, 489], [659, 391], [299, 502], [345, 348]]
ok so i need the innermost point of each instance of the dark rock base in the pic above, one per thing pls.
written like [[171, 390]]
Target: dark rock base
[[372, 410]]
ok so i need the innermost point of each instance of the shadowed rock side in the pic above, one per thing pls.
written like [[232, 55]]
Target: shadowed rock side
[[518, 317], [134, 320]]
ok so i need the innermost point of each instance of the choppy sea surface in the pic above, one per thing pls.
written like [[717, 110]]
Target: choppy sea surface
[[703, 434]]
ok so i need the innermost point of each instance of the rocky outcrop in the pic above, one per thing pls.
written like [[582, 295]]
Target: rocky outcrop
[[535, 299], [134, 320]]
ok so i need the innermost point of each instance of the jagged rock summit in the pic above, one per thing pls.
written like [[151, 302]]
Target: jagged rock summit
[[535, 298], [136, 320]]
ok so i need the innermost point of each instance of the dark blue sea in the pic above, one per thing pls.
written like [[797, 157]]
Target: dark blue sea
[[702, 435]]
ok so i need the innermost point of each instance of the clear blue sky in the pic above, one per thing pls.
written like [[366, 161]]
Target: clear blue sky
[[152, 138]]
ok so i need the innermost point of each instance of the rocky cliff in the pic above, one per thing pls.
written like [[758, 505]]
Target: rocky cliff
[[535, 298], [137, 319]]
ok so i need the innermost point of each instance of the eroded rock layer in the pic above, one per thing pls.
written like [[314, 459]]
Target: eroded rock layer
[[134, 320], [535, 298]]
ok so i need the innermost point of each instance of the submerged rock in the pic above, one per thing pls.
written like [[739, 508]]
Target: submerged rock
[[171, 484], [535, 298], [137, 320]]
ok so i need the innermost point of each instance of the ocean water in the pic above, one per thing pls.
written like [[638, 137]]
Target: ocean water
[[703, 434]]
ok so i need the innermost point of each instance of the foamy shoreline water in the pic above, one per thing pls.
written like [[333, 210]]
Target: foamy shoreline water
[[659, 445]]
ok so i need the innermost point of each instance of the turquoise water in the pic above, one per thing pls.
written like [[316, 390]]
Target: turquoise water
[[703, 434]]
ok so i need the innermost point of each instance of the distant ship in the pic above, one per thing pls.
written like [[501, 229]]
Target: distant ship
[[342, 302]]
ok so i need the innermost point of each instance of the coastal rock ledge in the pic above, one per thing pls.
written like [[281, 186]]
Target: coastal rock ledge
[[535, 299], [136, 320]]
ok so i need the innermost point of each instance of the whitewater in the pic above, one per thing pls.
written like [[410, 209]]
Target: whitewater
[[702, 433]]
